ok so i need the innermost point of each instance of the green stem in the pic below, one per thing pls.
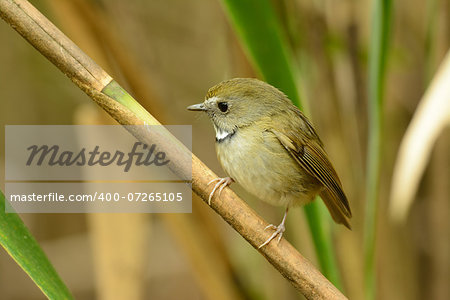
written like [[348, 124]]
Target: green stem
[[377, 66], [322, 242]]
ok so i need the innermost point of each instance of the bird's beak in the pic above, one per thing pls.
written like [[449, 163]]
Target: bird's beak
[[197, 107]]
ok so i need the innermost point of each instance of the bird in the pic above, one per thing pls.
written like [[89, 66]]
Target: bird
[[268, 146]]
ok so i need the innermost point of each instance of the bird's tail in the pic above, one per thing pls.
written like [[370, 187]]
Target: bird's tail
[[338, 215]]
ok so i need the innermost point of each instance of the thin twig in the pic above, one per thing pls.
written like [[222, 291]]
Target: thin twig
[[53, 44]]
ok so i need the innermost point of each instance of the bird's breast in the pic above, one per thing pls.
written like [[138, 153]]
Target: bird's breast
[[259, 163]]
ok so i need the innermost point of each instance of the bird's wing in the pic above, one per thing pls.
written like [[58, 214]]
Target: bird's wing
[[311, 157]]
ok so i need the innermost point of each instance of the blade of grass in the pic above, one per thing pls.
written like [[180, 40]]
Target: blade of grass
[[261, 36], [23, 248], [377, 66], [259, 30], [322, 240]]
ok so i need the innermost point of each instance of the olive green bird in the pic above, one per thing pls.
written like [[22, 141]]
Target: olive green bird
[[268, 146]]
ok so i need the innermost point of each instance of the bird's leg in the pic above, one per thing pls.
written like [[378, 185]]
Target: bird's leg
[[278, 230], [222, 183]]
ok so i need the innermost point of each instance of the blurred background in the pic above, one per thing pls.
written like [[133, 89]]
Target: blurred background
[[167, 53]]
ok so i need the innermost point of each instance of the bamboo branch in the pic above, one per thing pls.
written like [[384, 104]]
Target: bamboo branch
[[95, 82]]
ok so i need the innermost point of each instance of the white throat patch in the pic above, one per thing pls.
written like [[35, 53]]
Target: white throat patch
[[221, 134]]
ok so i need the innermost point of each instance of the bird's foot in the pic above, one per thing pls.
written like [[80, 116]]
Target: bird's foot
[[278, 231], [221, 184]]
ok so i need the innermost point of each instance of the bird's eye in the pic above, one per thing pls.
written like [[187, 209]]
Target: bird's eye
[[223, 106]]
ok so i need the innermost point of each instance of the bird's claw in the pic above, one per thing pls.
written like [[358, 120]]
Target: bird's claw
[[278, 231], [271, 226], [222, 183]]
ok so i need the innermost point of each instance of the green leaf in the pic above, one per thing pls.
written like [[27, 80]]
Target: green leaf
[[381, 21], [260, 33], [23, 248], [259, 30]]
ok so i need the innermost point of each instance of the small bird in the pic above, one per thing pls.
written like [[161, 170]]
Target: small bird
[[268, 146]]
